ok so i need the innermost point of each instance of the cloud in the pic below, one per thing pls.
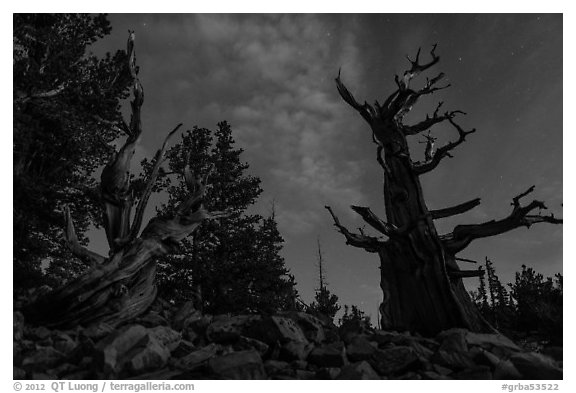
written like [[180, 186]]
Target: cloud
[[271, 77]]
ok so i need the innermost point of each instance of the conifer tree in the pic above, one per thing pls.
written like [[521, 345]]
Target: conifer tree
[[324, 303]]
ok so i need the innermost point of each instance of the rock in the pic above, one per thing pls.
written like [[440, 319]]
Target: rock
[[453, 360], [41, 332], [164, 374], [238, 365], [148, 354], [305, 374], [276, 329], [300, 365], [63, 343], [193, 359], [505, 369], [275, 366], [96, 332], [245, 343], [18, 373], [410, 375], [329, 355], [394, 360], [477, 372], [555, 353], [168, 337], [487, 341], [42, 359], [328, 373], [311, 326], [423, 352], [359, 370], [433, 375], [295, 350], [18, 324], [63, 369], [441, 370], [535, 366], [184, 348], [111, 349], [224, 329], [453, 340], [359, 349], [186, 313], [152, 319]]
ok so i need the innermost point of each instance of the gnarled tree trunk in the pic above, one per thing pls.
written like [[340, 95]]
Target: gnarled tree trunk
[[420, 279], [121, 286]]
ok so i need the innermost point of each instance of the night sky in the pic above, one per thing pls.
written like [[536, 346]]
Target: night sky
[[272, 78]]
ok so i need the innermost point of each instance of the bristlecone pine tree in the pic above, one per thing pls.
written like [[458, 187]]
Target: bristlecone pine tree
[[421, 282], [121, 286]]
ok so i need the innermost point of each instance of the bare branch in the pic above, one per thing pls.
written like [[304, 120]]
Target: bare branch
[[74, 245], [374, 221], [465, 260], [417, 68], [149, 186], [454, 210], [43, 94], [365, 110], [427, 166], [368, 243], [463, 235], [430, 121]]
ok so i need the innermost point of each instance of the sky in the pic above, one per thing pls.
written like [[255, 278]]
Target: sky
[[272, 78]]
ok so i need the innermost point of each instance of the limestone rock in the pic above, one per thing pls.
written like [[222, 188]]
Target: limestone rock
[[275, 366], [63, 342], [476, 373], [453, 360], [453, 340], [328, 373], [311, 326], [238, 365], [42, 359], [246, 343], [276, 329], [18, 324], [97, 332], [184, 315]]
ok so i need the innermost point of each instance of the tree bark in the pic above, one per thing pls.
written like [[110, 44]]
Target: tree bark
[[421, 282]]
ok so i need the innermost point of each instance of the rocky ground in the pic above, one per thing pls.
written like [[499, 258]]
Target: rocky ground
[[182, 343]]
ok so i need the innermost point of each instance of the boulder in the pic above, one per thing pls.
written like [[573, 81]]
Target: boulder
[[304, 374], [535, 366], [359, 370], [311, 326], [245, 343], [294, 350], [97, 332], [224, 329], [453, 360], [111, 349], [186, 313], [63, 342], [194, 359], [505, 369], [276, 329], [42, 359], [329, 355], [148, 354], [275, 366], [167, 336], [184, 348], [359, 349], [328, 373], [152, 319], [41, 333], [453, 340], [18, 324], [476, 373], [488, 341], [238, 365], [18, 373], [394, 360]]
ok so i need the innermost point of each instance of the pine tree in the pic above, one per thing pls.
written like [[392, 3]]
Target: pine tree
[[66, 111], [324, 303], [233, 265]]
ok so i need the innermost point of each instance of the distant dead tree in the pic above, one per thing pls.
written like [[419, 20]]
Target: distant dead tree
[[421, 282], [121, 286]]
